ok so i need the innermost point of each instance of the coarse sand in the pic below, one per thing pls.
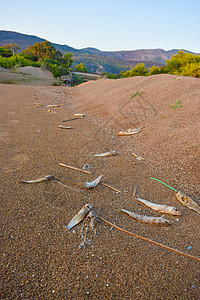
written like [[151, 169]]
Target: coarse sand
[[40, 259]]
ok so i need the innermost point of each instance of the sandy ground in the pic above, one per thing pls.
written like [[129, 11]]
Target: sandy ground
[[40, 258], [36, 72]]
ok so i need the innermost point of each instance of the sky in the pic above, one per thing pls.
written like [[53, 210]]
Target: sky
[[108, 25]]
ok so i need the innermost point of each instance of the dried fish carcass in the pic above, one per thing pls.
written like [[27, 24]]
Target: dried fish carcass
[[147, 219], [110, 153], [160, 208], [187, 201], [42, 179], [129, 131], [90, 185], [81, 215]]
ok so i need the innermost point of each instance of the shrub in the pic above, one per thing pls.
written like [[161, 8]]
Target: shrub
[[81, 68], [78, 80], [10, 62], [5, 52]]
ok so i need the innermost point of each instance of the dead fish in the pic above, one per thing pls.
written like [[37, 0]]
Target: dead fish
[[46, 178], [79, 216], [161, 208], [129, 131], [64, 127], [146, 219], [110, 153], [80, 115], [89, 185], [47, 105], [138, 157], [186, 201]]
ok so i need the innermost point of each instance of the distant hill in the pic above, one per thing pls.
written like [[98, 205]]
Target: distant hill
[[95, 60]]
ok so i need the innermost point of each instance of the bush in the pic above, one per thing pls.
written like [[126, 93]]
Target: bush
[[10, 62], [5, 52], [55, 67], [156, 70], [113, 76], [81, 68], [139, 70], [77, 80], [186, 64]]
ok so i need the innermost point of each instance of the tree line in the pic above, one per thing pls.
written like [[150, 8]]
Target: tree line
[[42, 55], [46, 56], [185, 64]]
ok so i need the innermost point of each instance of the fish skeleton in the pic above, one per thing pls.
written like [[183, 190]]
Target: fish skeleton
[[46, 178], [110, 153], [146, 219], [186, 201], [129, 131], [79, 216], [64, 127], [89, 185], [161, 208]]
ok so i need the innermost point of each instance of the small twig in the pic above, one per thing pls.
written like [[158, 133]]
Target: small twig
[[150, 241], [134, 192], [73, 168], [111, 187], [70, 119]]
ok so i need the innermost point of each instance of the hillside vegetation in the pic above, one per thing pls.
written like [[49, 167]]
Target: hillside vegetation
[[42, 55], [185, 64], [95, 60], [46, 56]]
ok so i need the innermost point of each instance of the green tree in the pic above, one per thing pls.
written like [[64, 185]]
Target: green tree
[[41, 51], [156, 70], [139, 70], [5, 52], [186, 64], [67, 60], [81, 68], [58, 55]]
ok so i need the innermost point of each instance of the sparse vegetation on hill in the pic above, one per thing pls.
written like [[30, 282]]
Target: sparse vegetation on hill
[[185, 64], [45, 55], [95, 60]]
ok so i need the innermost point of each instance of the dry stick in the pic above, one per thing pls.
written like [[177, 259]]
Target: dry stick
[[73, 168], [70, 119], [111, 187], [150, 241]]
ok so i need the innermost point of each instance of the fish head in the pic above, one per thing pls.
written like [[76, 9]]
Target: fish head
[[114, 152], [50, 177], [89, 206], [176, 212], [181, 197]]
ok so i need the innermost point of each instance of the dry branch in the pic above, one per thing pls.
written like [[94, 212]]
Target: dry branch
[[73, 168]]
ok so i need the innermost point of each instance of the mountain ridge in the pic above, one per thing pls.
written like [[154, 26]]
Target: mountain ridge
[[94, 59]]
